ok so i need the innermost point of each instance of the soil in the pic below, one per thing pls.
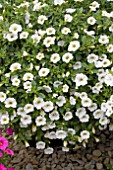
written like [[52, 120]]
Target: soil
[[96, 156]]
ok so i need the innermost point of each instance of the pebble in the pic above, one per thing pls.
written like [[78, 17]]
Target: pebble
[[93, 157], [97, 152], [99, 166], [29, 166]]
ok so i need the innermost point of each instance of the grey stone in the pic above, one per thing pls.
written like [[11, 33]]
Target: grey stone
[[97, 152], [99, 166], [29, 166]]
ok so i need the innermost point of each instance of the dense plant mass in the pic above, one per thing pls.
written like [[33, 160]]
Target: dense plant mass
[[56, 71]]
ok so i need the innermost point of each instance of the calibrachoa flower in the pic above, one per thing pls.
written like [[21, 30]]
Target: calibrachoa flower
[[56, 61], [2, 167], [3, 143], [4, 150]]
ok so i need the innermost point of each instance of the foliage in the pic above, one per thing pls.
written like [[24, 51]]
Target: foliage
[[56, 69]]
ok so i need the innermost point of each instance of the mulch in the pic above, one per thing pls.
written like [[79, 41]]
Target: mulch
[[96, 156]]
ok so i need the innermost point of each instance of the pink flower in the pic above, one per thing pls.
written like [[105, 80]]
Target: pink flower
[[10, 169], [9, 151], [2, 167], [3, 143], [9, 131], [1, 154]]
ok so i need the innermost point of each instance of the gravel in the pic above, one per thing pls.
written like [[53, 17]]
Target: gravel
[[94, 157]]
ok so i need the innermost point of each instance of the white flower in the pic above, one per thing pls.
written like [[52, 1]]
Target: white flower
[[47, 89], [51, 125], [92, 107], [54, 115], [41, 32], [106, 63], [4, 119], [103, 107], [61, 43], [84, 118], [109, 113], [65, 31], [111, 28], [27, 85], [84, 134], [98, 64], [48, 150], [58, 2], [98, 114], [55, 58], [41, 19], [48, 106], [52, 135], [103, 39], [1, 18], [65, 88], [15, 66], [103, 56], [83, 95], [68, 18], [92, 58], [72, 100], [25, 53], [109, 80], [26, 119], [28, 108], [40, 145], [50, 31], [24, 35], [27, 18], [38, 103], [61, 134], [67, 57], [86, 102], [72, 131], [77, 65], [15, 82], [61, 101], [28, 76], [81, 79], [40, 120], [111, 127], [40, 56], [4, 113], [80, 112], [103, 121], [73, 46], [36, 38], [43, 72], [76, 35], [94, 5], [49, 41], [90, 33], [15, 28], [57, 83], [10, 102], [11, 37], [21, 111], [91, 20], [65, 149], [110, 48], [13, 115], [68, 116], [37, 5], [2, 96]]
